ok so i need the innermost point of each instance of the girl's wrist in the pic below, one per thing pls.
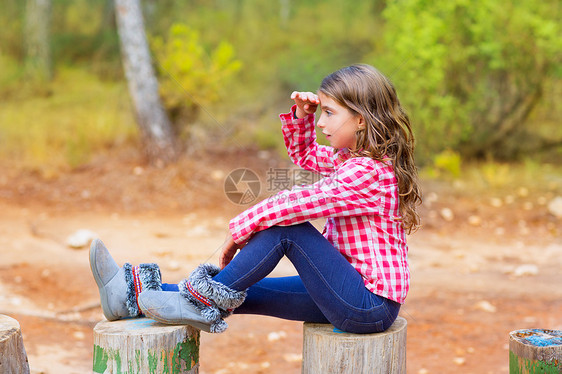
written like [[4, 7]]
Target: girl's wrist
[[299, 113]]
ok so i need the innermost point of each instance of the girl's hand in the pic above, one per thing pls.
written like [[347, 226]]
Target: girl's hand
[[228, 250], [307, 102]]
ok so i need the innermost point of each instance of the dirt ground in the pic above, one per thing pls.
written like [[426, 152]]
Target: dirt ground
[[486, 262]]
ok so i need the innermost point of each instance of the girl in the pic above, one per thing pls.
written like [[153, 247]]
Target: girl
[[354, 275]]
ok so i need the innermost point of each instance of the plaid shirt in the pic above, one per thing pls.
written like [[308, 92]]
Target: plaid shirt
[[359, 198]]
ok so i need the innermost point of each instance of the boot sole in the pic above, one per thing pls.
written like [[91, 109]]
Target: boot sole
[[191, 323]]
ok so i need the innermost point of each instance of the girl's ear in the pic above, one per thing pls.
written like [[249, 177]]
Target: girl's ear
[[361, 123]]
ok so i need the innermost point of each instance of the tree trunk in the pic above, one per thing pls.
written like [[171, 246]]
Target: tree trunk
[[329, 352], [284, 12], [37, 41], [158, 139], [144, 346], [535, 351], [13, 358]]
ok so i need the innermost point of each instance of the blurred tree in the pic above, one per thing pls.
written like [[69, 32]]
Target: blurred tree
[[38, 63], [191, 77], [158, 139], [284, 12], [472, 72]]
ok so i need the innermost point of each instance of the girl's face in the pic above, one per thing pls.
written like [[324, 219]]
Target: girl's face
[[338, 123]]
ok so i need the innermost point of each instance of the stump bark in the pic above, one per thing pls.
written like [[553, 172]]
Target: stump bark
[[328, 351], [142, 346], [13, 359], [535, 351]]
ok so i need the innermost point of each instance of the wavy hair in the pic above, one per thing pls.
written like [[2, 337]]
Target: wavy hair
[[387, 134]]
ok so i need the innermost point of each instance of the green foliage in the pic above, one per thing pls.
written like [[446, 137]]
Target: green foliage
[[479, 79], [472, 72], [84, 34], [62, 130], [447, 162], [11, 19], [496, 174], [188, 72], [10, 72], [322, 42]]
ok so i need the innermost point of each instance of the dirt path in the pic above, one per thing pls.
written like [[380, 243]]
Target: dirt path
[[471, 283], [465, 296]]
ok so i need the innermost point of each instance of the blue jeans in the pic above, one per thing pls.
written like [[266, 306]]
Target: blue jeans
[[328, 288]]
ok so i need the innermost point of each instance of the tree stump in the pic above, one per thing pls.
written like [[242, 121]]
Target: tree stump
[[535, 351], [143, 346], [329, 352], [13, 359]]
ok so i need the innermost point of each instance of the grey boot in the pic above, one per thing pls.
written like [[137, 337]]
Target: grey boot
[[119, 286], [172, 308], [199, 298]]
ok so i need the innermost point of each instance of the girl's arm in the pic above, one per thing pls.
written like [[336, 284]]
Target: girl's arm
[[359, 187], [300, 137]]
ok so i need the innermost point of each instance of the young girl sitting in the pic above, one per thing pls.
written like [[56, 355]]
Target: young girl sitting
[[354, 275]]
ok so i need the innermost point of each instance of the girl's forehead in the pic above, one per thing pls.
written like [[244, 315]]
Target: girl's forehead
[[323, 97], [326, 100]]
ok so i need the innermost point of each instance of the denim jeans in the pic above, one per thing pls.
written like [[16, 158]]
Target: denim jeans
[[327, 289]]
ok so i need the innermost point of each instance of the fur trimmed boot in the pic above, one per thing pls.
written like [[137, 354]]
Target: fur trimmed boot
[[119, 287], [200, 299]]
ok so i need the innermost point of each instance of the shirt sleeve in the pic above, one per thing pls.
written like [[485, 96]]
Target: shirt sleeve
[[304, 151], [351, 190]]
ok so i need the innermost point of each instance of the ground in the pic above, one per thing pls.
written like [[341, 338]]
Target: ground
[[485, 263]]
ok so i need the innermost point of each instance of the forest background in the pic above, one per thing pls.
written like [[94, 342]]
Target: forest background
[[481, 80]]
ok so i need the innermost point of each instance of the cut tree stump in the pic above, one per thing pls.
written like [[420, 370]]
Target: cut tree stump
[[13, 359], [329, 351], [535, 351], [143, 346]]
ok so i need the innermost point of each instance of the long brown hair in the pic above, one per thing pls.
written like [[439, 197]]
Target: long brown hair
[[387, 132]]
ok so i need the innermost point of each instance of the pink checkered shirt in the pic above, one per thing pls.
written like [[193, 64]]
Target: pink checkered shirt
[[359, 198]]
